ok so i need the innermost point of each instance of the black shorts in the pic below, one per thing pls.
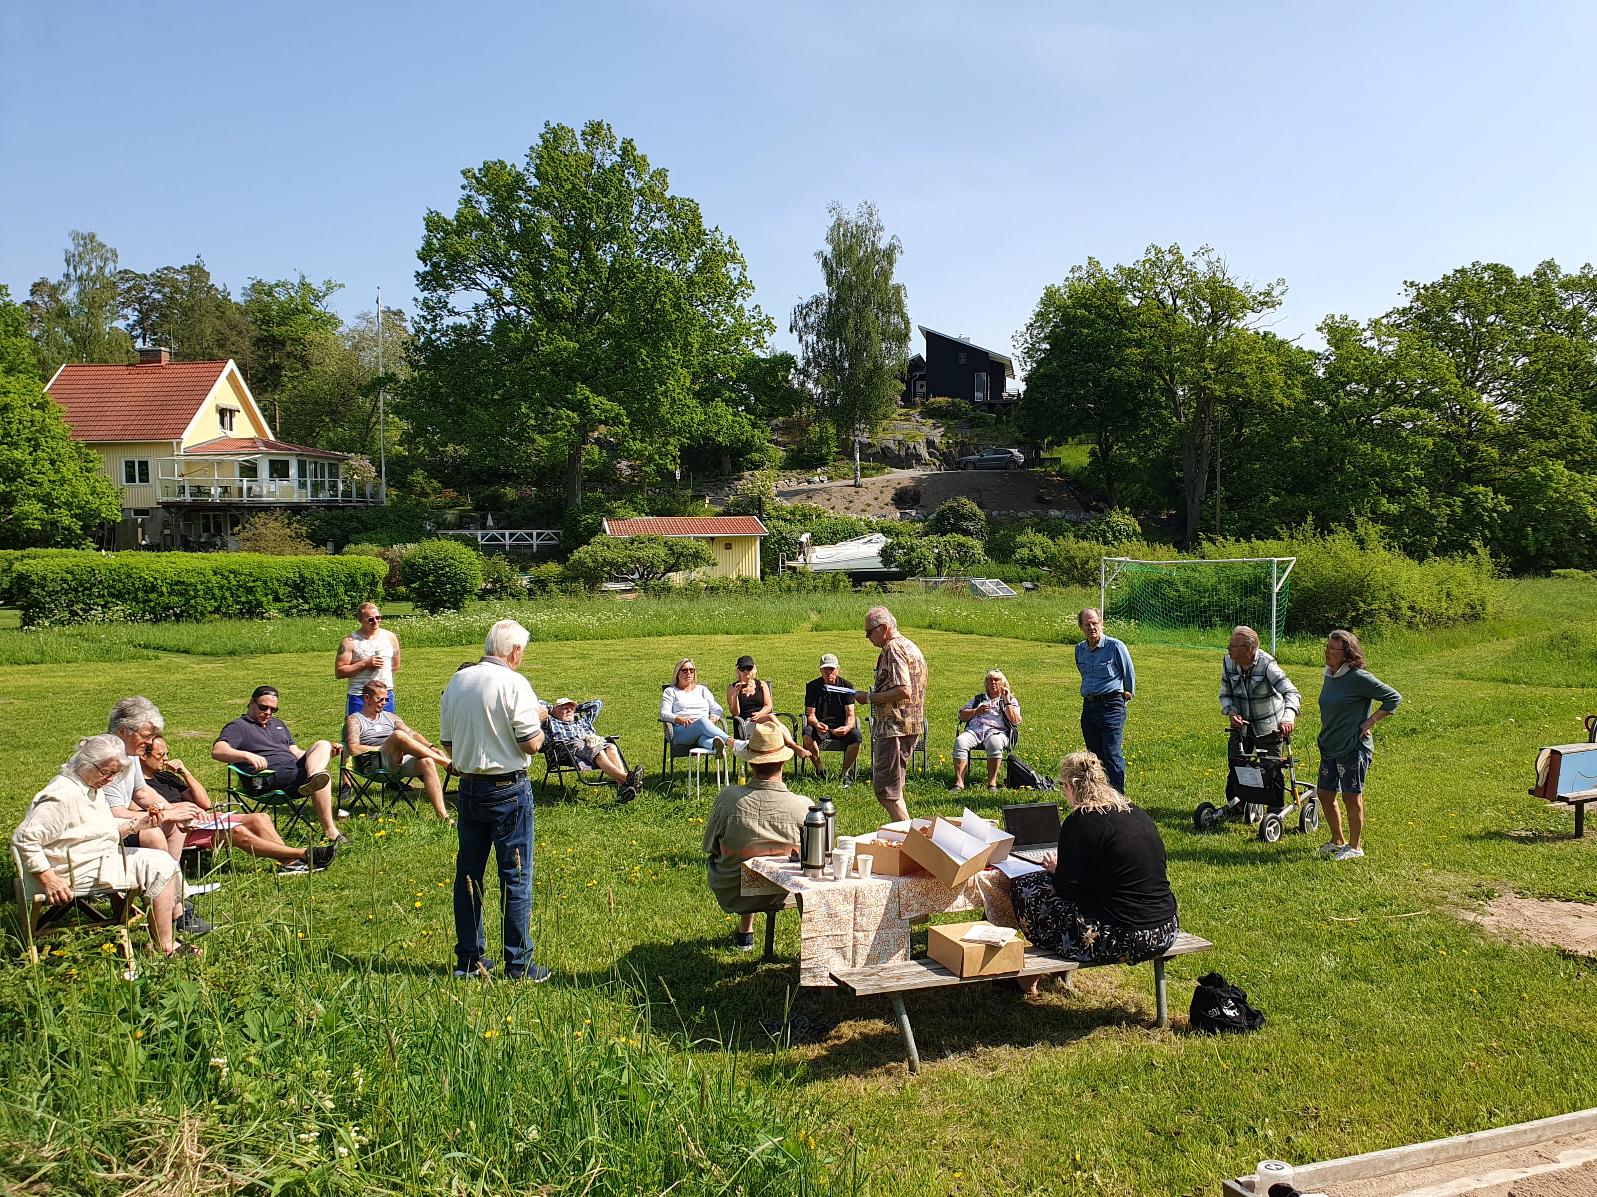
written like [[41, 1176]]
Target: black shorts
[[852, 736]]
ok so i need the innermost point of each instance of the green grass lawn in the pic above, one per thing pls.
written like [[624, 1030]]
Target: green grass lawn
[[320, 1046]]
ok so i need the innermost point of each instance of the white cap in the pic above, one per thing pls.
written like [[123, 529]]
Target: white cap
[[829, 661]]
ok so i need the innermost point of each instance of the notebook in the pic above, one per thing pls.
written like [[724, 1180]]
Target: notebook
[[1035, 826]]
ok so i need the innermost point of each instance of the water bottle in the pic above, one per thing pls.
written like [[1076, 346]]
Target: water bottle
[[830, 811], [813, 849]]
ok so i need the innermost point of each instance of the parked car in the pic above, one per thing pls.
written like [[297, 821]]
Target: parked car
[[993, 459]]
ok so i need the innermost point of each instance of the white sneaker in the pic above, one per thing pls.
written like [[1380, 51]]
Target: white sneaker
[[1331, 848], [1349, 852]]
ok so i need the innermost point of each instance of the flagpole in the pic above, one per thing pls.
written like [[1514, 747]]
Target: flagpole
[[382, 422]]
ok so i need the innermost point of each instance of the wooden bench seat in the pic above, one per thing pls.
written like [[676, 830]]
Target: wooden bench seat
[[895, 980]]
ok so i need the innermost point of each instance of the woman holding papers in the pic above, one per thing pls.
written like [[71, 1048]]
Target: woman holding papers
[[1104, 895]]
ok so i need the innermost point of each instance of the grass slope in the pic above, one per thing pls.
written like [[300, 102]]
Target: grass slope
[[644, 1066]]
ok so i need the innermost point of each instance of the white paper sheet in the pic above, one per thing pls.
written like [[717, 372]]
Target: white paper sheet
[[956, 843], [989, 933], [1015, 867], [221, 822]]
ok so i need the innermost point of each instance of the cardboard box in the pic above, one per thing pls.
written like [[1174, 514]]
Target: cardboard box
[[922, 848], [946, 945], [888, 858], [1002, 842]]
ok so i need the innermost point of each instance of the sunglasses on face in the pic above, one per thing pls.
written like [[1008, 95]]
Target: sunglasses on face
[[266, 710], [374, 619], [745, 669], [687, 669]]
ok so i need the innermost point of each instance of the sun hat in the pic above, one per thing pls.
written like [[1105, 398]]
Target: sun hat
[[829, 661], [766, 745]]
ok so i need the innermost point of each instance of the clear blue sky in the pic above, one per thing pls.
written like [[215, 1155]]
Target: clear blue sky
[[1343, 147]]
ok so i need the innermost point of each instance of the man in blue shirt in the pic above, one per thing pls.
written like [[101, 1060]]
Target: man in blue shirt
[[1107, 684]]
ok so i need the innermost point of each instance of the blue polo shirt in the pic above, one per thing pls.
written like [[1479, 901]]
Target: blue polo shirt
[[1105, 669]]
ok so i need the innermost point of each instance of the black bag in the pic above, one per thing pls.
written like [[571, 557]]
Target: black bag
[[1220, 1008], [1018, 775]]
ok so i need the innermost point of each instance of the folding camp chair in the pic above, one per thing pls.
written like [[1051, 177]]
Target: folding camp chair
[[979, 752], [249, 791], [100, 907], [560, 761], [365, 781]]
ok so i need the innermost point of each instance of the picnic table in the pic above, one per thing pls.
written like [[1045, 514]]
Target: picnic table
[[853, 924]]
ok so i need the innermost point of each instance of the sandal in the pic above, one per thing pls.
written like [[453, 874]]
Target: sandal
[[184, 951]]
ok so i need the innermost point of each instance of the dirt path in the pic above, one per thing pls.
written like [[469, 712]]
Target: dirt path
[[1021, 492]]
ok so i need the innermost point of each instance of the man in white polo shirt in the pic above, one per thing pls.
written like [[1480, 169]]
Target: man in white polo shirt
[[489, 722]]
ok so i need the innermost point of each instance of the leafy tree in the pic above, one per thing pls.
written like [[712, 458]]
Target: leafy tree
[[277, 533], [959, 515], [181, 308], [292, 351], [854, 335], [52, 493], [636, 559], [570, 304], [74, 318]]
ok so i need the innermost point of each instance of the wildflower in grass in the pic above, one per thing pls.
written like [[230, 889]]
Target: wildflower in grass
[[107, 948], [138, 1034], [377, 835], [415, 905]]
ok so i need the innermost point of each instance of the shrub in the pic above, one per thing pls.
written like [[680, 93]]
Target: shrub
[[10, 557], [816, 445], [1115, 526], [1033, 550], [277, 533], [960, 516], [500, 579], [442, 574], [929, 555], [391, 555], [640, 559], [548, 578], [160, 587]]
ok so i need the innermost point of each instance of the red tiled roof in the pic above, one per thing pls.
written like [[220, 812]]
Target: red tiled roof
[[687, 525], [133, 403], [255, 444]]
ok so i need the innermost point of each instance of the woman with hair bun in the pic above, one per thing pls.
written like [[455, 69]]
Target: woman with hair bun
[[1346, 746]]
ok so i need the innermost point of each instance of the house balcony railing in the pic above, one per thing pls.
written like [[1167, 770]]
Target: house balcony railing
[[263, 491]]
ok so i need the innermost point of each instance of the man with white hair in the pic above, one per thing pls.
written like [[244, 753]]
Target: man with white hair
[[1255, 693], [898, 708], [488, 720], [1108, 683]]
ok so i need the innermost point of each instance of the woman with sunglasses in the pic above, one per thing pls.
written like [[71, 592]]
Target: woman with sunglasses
[[748, 698], [691, 712], [368, 654], [70, 843]]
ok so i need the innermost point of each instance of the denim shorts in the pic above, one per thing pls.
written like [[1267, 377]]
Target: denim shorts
[[1345, 773]]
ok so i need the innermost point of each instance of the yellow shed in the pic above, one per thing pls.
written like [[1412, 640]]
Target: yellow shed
[[734, 540]]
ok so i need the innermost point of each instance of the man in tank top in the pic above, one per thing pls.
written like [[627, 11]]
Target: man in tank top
[[369, 653]]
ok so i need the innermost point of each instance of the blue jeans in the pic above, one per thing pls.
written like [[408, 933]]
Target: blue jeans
[[1102, 723], [701, 733], [498, 817], [357, 703]]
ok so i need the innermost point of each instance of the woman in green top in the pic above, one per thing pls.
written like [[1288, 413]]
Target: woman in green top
[[1346, 747]]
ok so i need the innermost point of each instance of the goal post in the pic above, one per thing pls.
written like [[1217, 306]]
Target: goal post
[[1198, 594]]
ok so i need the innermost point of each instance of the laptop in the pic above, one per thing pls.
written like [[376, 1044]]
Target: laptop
[[1035, 826]]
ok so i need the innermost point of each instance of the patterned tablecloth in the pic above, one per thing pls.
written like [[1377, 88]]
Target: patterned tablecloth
[[853, 923]]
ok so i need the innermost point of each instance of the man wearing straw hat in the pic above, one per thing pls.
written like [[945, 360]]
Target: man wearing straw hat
[[760, 818]]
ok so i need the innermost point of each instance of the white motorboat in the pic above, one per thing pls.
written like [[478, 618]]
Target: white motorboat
[[863, 554]]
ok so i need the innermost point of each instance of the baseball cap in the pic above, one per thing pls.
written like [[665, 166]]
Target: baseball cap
[[563, 702], [745, 662], [829, 661]]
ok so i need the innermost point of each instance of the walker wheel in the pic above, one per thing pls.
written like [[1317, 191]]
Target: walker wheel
[[1309, 816], [1270, 828], [1207, 817], [1252, 812]]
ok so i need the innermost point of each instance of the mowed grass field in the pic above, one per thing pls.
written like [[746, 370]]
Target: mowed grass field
[[321, 1047]]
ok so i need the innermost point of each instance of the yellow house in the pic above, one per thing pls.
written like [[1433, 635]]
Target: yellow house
[[734, 540], [191, 451]]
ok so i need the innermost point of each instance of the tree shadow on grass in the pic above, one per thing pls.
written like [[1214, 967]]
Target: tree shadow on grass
[[1524, 835]]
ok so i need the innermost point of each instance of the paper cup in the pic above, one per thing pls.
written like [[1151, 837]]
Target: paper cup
[[840, 861], [1270, 1172], [862, 866], [845, 843]]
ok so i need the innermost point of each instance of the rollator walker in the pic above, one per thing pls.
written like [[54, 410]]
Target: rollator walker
[[1261, 787]]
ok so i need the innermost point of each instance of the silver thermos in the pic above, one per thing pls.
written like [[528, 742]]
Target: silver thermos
[[830, 811], [813, 849]]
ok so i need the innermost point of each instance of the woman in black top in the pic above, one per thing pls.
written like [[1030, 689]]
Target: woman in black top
[[748, 699], [1103, 896]]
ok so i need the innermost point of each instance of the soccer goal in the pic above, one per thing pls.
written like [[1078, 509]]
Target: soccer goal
[[1200, 596]]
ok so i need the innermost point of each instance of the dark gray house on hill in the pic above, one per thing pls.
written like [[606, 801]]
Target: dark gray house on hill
[[961, 369]]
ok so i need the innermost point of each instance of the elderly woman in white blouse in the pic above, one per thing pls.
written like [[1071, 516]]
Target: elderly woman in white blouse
[[71, 843], [689, 709]]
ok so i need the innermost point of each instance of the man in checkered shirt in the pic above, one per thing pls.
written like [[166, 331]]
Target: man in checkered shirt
[[573, 737], [1255, 692]]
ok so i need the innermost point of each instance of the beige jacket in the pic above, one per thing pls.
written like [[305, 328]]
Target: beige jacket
[[67, 826], [761, 818]]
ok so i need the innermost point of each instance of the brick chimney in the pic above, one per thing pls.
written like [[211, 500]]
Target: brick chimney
[[154, 355]]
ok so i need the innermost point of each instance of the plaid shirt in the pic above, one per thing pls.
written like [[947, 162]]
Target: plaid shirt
[[1263, 695], [578, 729]]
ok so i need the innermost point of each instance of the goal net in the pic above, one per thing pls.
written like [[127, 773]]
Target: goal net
[[1196, 601]]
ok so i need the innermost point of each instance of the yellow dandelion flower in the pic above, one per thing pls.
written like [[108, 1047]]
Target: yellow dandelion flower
[[377, 835], [415, 905], [138, 1034]]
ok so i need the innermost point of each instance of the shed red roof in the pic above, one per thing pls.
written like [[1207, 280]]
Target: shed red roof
[[687, 525], [133, 403], [255, 444]]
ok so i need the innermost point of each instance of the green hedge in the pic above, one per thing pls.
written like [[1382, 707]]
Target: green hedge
[[160, 587], [9, 558]]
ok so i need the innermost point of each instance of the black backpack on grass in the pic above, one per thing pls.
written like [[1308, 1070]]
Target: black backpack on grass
[[1220, 1008], [1019, 775]]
